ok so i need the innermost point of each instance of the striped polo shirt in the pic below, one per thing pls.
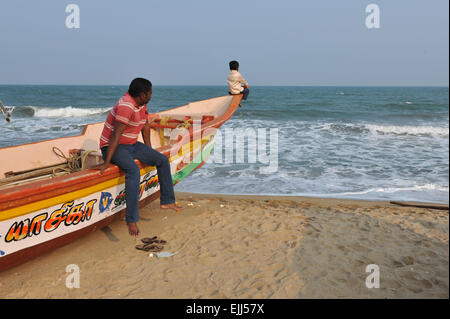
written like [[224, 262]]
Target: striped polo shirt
[[125, 111]]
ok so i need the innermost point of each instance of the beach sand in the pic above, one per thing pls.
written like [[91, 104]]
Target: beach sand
[[253, 247]]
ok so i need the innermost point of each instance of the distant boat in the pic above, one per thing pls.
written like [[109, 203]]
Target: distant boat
[[40, 212]]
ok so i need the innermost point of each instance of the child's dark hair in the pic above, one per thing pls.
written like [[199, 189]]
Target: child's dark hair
[[234, 65], [138, 86]]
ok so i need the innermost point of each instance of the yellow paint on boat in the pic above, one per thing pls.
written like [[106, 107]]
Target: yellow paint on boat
[[17, 211], [35, 206]]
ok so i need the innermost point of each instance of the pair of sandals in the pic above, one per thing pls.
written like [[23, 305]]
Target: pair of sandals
[[153, 244]]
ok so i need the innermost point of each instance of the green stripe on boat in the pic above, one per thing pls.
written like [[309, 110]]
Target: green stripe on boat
[[193, 165]]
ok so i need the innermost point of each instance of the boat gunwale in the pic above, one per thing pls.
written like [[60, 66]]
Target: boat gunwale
[[86, 126]]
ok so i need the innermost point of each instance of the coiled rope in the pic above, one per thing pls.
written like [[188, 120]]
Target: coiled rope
[[75, 162]]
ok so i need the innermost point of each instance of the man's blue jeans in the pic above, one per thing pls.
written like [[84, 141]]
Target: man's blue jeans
[[124, 158], [245, 93]]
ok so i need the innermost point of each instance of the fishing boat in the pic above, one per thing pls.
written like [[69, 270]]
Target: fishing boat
[[50, 195]]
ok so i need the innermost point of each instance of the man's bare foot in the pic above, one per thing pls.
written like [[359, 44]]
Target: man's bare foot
[[133, 230], [173, 206]]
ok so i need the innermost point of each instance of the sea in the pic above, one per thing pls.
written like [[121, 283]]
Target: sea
[[374, 143]]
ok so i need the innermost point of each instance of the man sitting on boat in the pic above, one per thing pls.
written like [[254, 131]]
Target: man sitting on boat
[[236, 82], [119, 146]]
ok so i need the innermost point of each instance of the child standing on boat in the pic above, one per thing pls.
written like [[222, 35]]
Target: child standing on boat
[[236, 82], [119, 146]]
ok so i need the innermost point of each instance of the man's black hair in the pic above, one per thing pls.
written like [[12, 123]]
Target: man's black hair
[[234, 65], [138, 86]]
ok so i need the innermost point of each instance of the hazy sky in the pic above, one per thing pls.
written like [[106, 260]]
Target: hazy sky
[[190, 42]]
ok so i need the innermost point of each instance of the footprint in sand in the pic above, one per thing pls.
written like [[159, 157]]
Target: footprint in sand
[[395, 284], [426, 284], [430, 253], [408, 260], [291, 244], [411, 277], [415, 290], [397, 264], [438, 283]]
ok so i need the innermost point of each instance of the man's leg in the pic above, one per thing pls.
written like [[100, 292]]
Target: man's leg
[[245, 92], [149, 156], [123, 158]]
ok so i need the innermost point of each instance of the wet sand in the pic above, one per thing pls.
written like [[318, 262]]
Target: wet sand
[[253, 247]]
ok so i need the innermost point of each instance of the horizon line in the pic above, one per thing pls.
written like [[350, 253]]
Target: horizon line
[[224, 85]]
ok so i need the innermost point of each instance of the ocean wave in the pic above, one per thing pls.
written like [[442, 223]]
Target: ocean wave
[[408, 130], [425, 187], [386, 129], [68, 111], [424, 193]]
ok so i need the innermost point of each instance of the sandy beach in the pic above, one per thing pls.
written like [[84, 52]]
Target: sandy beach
[[253, 247]]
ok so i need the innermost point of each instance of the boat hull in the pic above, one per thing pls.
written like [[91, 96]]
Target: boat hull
[[40, 216], [30, 235]]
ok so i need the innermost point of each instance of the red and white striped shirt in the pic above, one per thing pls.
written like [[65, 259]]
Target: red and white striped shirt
[[125, 111]]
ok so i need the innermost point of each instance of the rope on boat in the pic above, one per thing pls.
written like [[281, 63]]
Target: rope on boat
[[75, 162], [164, 121], [186, 124]]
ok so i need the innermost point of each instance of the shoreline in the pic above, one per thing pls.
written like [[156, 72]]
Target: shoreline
[[314, 199], [240, 246]]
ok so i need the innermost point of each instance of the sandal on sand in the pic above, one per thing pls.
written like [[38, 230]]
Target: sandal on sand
[[149, 247], [149, 240], [153, 240]]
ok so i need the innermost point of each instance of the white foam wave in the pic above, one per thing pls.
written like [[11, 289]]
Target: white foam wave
[[390, 190], [370, 194], [385, 129], [407, 129], [68, 111]]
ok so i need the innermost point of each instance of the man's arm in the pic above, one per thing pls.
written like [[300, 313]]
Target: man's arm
[[119, 128], [146, 134], [242, 80]]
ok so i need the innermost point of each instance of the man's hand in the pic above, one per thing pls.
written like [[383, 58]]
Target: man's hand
[[146, 134], [100, 167], [153, 116], [119, 128]]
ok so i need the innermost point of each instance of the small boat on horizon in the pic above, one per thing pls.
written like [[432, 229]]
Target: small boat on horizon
[[41, 210]]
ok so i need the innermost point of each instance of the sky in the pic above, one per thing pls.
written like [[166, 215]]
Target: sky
[[190, 42]]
